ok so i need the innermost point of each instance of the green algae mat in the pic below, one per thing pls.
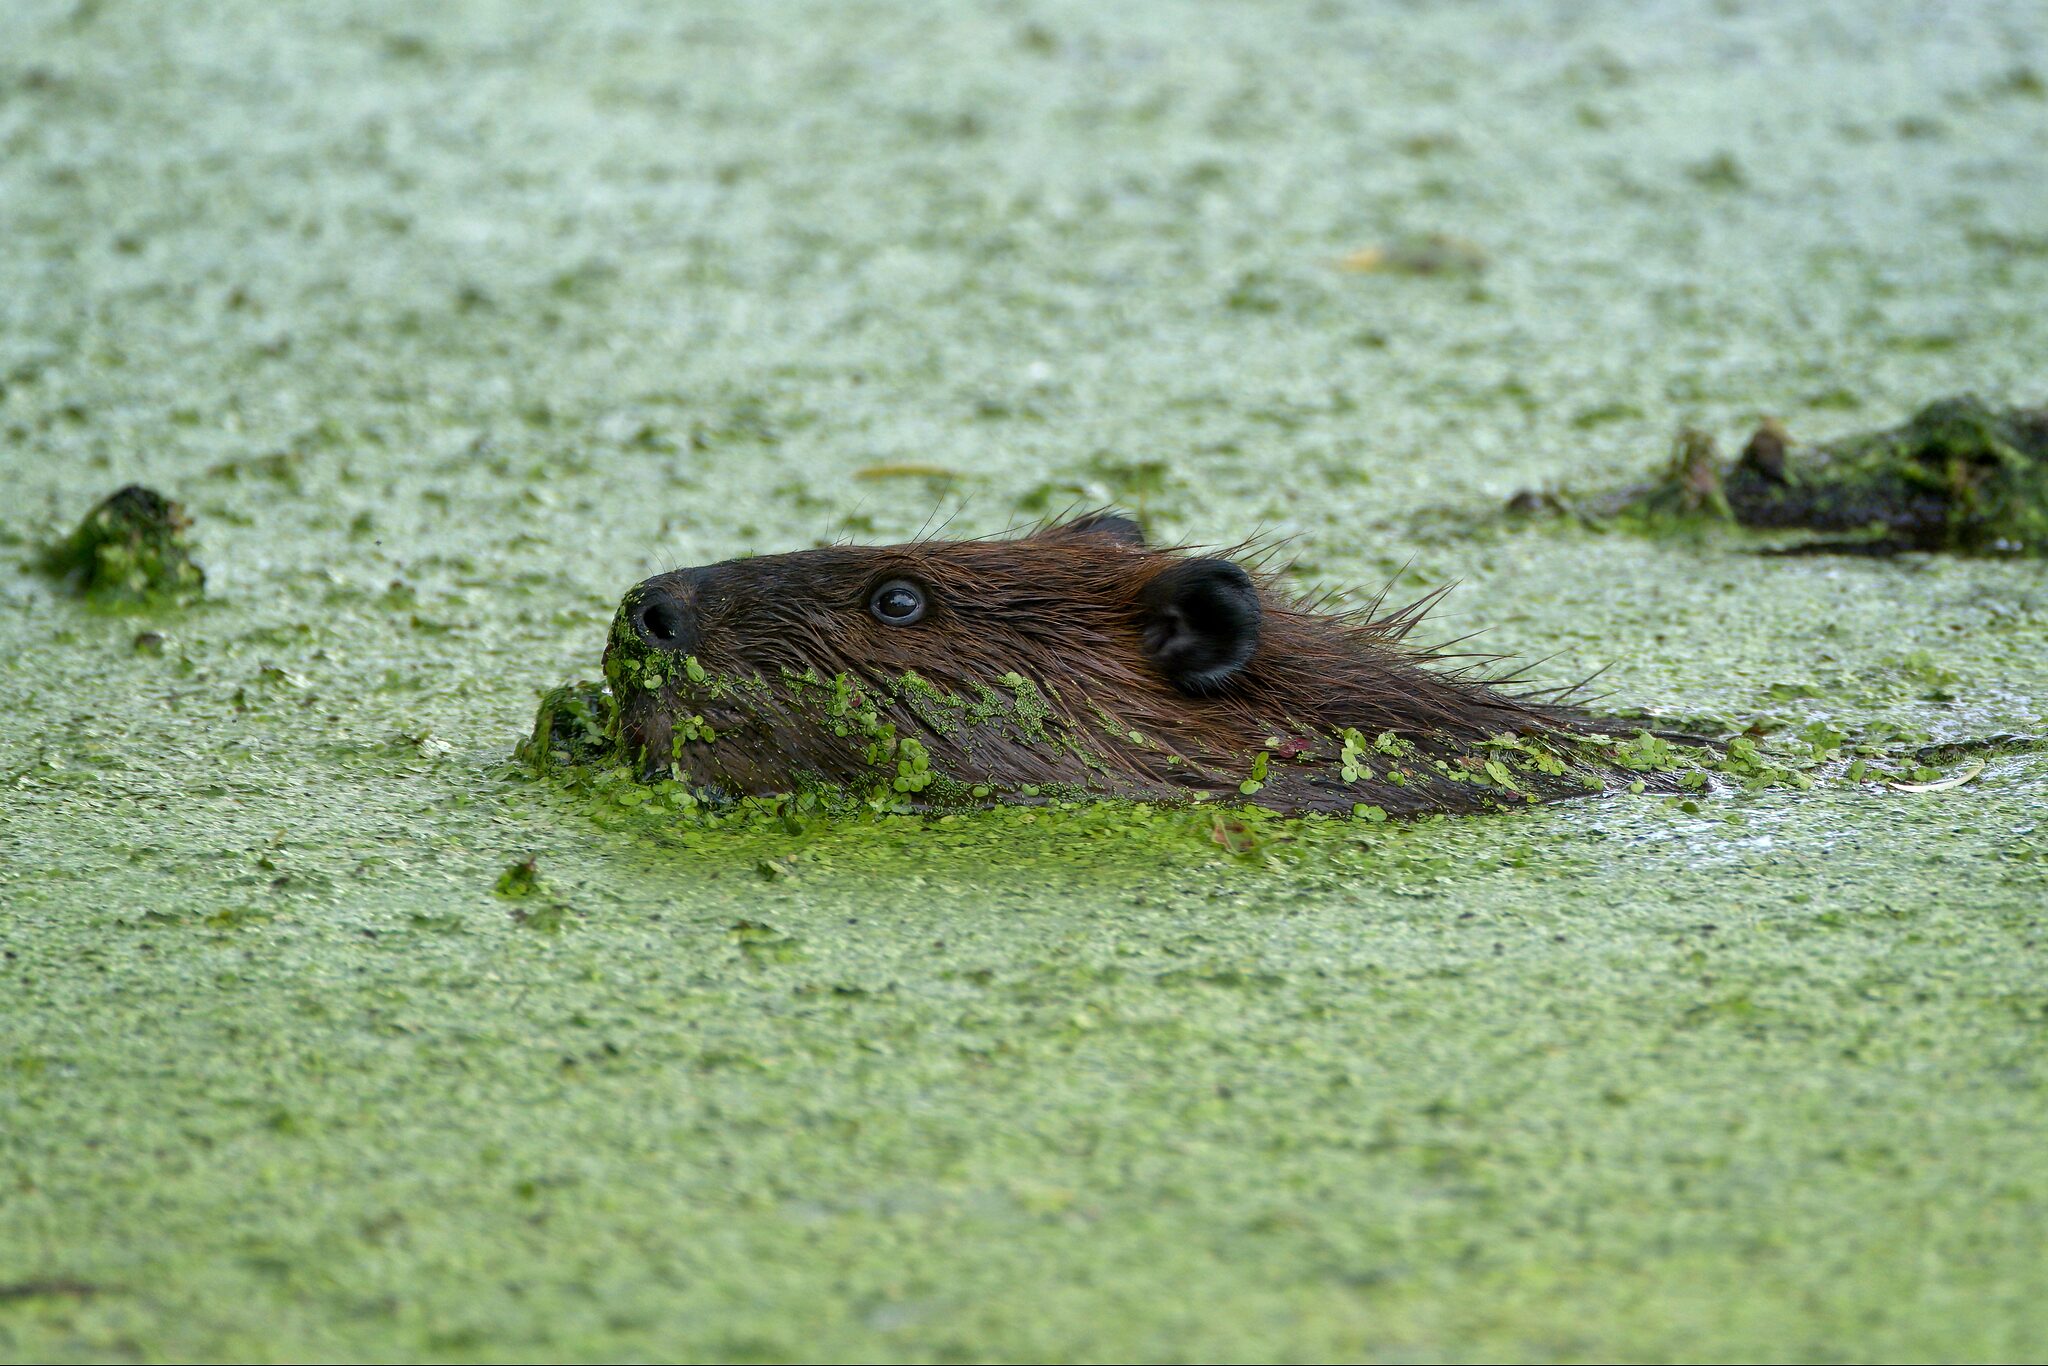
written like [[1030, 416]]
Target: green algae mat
[[328, 1031]]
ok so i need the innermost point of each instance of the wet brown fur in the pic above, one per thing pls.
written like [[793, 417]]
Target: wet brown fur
[[1061, 607]]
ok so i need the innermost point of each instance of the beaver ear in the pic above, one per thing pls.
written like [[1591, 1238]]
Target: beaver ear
[[1108, 526], [1201, 624]]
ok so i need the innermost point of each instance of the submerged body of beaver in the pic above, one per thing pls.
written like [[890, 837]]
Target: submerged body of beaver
[[1073, 661]]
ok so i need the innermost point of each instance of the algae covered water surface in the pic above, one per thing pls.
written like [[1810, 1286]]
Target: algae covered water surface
[[327, 1031]]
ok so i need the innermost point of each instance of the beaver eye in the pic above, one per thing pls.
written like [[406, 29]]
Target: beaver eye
[[899, 602]]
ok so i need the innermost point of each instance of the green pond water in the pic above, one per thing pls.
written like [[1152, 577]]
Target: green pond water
[[447, 323]]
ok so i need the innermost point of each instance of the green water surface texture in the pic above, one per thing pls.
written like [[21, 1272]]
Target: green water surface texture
[[448, 322]]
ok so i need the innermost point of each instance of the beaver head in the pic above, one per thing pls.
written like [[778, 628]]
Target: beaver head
[[1074, 659]]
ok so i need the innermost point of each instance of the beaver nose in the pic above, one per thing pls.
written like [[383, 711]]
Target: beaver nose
[[666, 617]]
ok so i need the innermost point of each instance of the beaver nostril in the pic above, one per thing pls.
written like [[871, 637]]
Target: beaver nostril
[[662, 623]]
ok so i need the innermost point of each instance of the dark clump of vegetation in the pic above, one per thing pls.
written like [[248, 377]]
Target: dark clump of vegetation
[[1960, 476], [576, 723], [130, 551]]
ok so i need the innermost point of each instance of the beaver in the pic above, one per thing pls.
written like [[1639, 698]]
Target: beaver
[[1076, 660]]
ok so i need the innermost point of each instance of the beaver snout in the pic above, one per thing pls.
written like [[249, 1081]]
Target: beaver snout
[[666, 617]]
